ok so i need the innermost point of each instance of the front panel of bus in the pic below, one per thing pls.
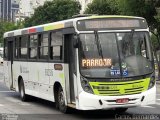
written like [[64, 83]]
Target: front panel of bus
[[115, 63]]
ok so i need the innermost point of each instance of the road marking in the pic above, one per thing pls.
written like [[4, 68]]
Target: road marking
[[1, 105], [6, 91]]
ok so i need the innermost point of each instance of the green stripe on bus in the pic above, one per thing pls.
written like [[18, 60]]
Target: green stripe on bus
[[47, 28], [53, 27]]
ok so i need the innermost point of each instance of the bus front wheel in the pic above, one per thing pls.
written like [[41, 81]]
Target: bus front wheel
[[22, 91], [61, 101]]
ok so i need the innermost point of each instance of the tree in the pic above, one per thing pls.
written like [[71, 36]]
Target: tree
[[156, 30], [7, 26], [52, 11], [102, 7], [142, 8], [154, 42]]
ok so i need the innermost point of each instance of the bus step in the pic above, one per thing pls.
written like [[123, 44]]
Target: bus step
[[72, 105], [13, 89]]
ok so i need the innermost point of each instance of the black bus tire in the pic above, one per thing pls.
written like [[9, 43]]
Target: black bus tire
[[23, 95], [61, 101]]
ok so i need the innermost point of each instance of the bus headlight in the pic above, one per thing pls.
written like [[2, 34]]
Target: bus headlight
[[85, 85], [152, 82]]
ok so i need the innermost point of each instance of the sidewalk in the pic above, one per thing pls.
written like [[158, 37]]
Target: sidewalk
[[158, 82]]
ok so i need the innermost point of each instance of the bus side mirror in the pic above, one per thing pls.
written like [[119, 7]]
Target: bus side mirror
[[75, 41]]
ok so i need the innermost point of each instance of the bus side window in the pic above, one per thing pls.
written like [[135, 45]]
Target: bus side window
[[56, 46], [43, 46], [23, 46], [16, 48], [33, 42]]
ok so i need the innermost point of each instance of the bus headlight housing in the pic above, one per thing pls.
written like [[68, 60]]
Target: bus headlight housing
[[152, 81], [85, 85]]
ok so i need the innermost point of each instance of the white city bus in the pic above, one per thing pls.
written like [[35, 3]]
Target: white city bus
[[87, 63]]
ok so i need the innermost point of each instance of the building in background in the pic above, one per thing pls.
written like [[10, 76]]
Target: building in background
[[84, 4], [26, 7], [8, 9], [14, 9]]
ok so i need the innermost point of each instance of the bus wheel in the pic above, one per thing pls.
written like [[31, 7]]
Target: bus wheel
[[61, 101], [121, 110], [22, 91]]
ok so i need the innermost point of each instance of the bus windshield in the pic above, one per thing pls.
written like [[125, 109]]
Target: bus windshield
[[114, 55]]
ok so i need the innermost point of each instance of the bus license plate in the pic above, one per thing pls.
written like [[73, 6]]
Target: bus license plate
[[123, 100]]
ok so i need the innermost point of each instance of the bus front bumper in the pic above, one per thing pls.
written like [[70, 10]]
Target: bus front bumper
[[89, 101]]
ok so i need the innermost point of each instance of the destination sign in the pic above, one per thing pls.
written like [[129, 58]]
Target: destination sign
[[108, 24], [96, 62]]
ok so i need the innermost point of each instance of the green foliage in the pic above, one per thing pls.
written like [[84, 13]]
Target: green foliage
[[52, 11], [7, 26], [140, 8], [103, 7], [154, 42]]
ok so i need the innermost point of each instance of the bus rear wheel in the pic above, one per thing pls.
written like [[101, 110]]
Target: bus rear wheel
[[22, 91], [61, 101]]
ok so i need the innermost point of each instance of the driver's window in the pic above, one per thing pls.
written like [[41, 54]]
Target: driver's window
[[143, 47]]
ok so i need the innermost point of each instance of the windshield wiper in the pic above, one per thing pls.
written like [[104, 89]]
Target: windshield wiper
[[132, 34], [131, 41], [99, 47]]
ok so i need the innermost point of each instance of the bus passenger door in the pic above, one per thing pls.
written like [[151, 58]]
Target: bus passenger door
[[69, 56], [10, 63]]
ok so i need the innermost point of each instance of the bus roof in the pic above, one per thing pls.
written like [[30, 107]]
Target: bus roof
[[58, 25]]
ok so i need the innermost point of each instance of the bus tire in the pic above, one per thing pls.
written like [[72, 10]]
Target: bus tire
[[22, 91], [61, 101], [56, 101], [120, 110]]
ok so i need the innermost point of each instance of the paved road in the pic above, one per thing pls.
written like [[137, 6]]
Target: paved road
[[37, 109]]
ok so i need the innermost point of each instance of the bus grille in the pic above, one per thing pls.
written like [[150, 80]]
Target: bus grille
[[120, 88]]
